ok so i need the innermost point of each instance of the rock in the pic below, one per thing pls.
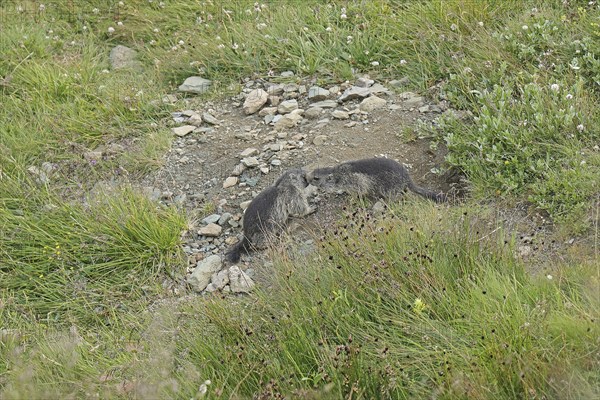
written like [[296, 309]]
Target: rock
[[230, 181], [211, 230], [275, 162], [354, 92], [364, 82], [287, 106], [398, 83], [181, 131], [220, 279], [122, 57], [424, 109], [90, 156], [267, 111], [195, 84], [238, 170], [290, 87], [203, 272], [274, 100], [378, 89], [313, 112], [287, 74], [245, 204], [225, 217], [371, 103], [195, 120], [288, 121], [269, 119], [250, 162], [211, 219], [275, 90], [264, 170], [169, 99], [319, 140], [254, 101], [209, 119], [524, 251], [379, 208], [250, 151], [412, 100], [239, 281], [339, 114], [316, 93], [325, 104]]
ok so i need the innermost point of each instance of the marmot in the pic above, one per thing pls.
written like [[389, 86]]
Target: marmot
[[270, 210], [370, 177]]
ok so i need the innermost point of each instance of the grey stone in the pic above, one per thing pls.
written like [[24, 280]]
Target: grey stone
[[287, 74], [364, 82], [211, 230], [211, 219], [275, 90], [239, 281], [267, 111], [183, 130], [195, 120], [371, 103], [288, 121], [220, 279], [250, 162], [424, 109], [238, 170], [209, 119], [230, 181], [316, 93], [203, 272], [398, 83], [245, 204], [122, 57], [195, 84], [250, 151], [254, 101], [319, 140], [287, 106], [225, 217], [354, 92], [325, 104], [379, 89], [313, 112], [339, 114], [274, 100]]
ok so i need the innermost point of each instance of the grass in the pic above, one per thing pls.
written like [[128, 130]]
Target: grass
[[437, 306]]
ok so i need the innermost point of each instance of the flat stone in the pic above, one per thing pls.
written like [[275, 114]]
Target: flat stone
[[267, 111], [238, 170], [288, 121], [275, 90], [378, 88], [250, 151], [88, 155], [254, 101], [209, 119], [325, 104], [354, 92], [319, 140], [211, 219], [339, 114], [195, 84], [287, 106], [316, 93], [313, 112], [250, 162], [364, 82], [245, 204], [287, 74], [372, 103], [424, 109], [398, 83], [212, 230], [183, 130], [203, 272], [122, 57], [274, 100], [239, 281], [220, 279], [230, 181], [225, 217], [195, 120]]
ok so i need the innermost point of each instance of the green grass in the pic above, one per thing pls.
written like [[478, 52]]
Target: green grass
[[403, 317]]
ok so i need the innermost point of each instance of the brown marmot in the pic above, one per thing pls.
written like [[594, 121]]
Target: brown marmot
[[370, 177], [269, 211]]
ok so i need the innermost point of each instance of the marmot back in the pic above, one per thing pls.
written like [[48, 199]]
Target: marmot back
[[370, 177], [269, 211]]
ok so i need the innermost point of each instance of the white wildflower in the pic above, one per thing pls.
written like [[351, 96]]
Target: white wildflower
[[480, 23], [554, 87], [305, 29], [402, 62], [328, 29], [119, 23], [549, 277], [181, 42], [375, 63], [221, 46], [580, 127], [261, 26], [85, 28], [152, 42], [349, 39], [105, 71], [174, 48], [524, 27], [453, 27], [569, 96], [234, 46], [42, 7], [343, 16], [121, 3], [111, 29], [95, 11]]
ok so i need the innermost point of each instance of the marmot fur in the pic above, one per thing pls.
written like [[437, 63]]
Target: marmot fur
[[270, 210], [371, 177]]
